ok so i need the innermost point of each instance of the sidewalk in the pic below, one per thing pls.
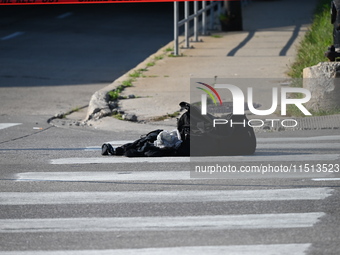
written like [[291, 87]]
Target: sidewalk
[[265, 49]]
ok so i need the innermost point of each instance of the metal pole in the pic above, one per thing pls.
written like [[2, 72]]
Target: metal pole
[[212, 16], [186, 25], [204, 18], [196, 21], [176, 28]]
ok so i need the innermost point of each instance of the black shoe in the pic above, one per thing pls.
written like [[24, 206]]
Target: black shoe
[[110, 149], [105, 150]]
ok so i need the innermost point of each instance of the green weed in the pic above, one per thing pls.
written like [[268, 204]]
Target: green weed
[[316, 41]]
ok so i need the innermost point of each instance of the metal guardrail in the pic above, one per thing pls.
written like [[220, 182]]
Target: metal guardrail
[[195, 16], [211, 7]]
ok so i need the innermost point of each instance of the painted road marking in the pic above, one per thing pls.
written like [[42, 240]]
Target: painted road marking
[[301, 139], [268, 249], [12, 36], [7, 125], [115, 176], [185, 196], [104, 176], [299, 146], [325, 179], [179, 223], [115, 160], [113, 143], [242, 159]]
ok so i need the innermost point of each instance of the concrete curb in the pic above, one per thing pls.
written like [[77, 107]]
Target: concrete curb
[[98, 105]]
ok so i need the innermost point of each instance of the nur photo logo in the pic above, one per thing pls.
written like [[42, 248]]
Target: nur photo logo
[[212, 97], [280, 97]]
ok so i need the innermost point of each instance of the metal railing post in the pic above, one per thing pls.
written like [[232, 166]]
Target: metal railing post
[[219, 8], [195, 17], [211, 16], [204, 17], [196, 21], [176, 19], [186, 25]]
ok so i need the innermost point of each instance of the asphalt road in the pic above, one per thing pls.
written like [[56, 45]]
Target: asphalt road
[[58, 194], [71, 51]]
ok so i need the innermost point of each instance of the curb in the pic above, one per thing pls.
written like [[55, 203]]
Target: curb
[[99, 102]]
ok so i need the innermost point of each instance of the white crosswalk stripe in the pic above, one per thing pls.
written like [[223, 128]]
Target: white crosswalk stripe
[[254, 158], [326, 179], [185, 196], [167, 223], [277, 249], [7, 125], [194, 223], [104, 176], [112, 176]]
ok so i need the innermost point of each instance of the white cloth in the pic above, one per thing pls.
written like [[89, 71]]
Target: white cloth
[[166, 139]]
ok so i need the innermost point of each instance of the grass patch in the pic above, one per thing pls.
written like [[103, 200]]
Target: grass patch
[[167, 116], [150, 64], [316, 41], [159, 57], [169, 49], [217, 36], [135, 74], [115, 94], [118, 116], [75, 109], [128, 83], [311, 51]]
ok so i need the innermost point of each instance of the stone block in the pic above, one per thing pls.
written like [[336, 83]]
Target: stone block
[[323, 81]]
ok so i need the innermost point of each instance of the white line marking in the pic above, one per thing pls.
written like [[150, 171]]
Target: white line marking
[[325, 179], [113, 143], [120, 142], [12, 36], [65, 15], [269, 249], [269, 158], [7, 125], [92, 148], [113, 176], [104, 176], [187, 223], [229, 159], [301, 139], [115, 160], [185, 196], [294, 146]]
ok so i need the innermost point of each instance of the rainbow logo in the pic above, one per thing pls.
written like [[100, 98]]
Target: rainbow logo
[[213, 98]]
